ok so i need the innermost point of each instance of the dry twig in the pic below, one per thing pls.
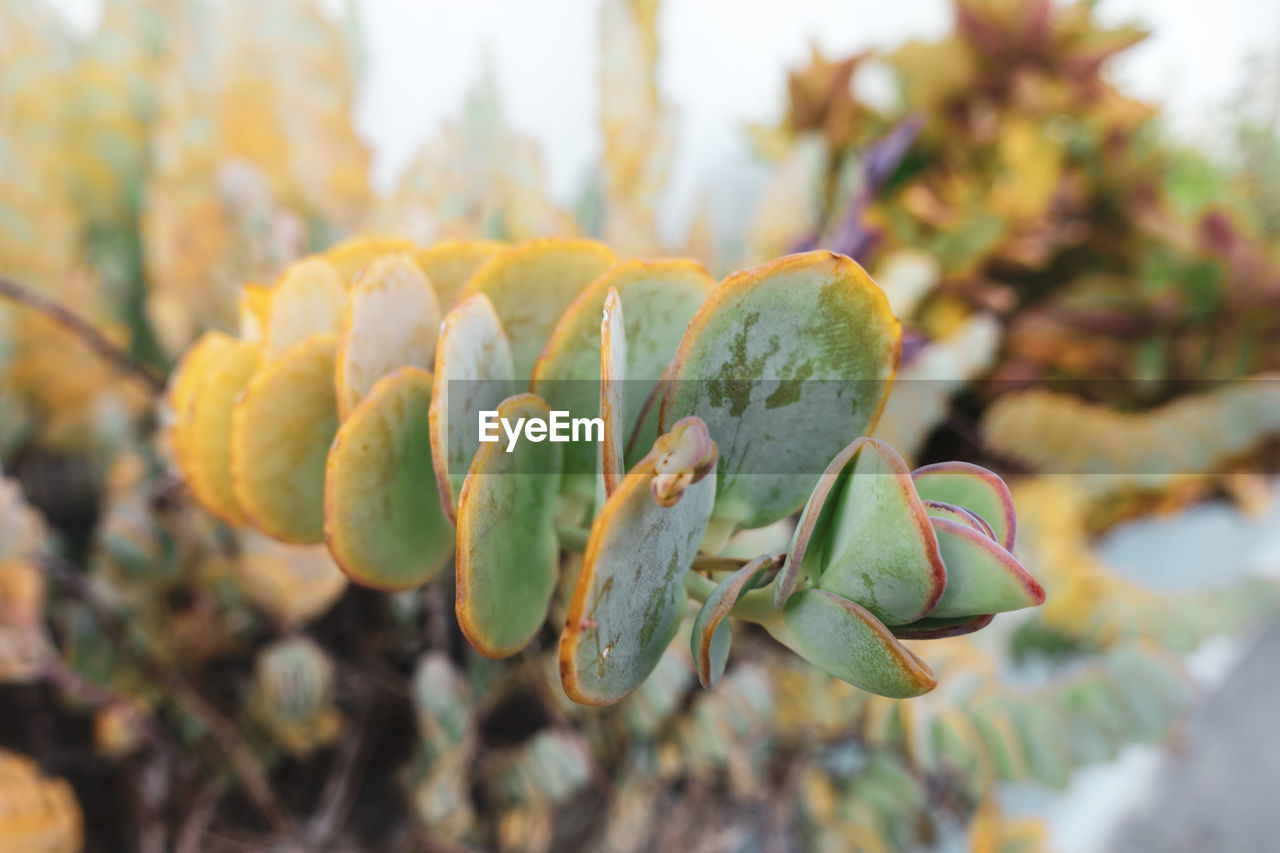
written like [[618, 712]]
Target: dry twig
[[74, 324]]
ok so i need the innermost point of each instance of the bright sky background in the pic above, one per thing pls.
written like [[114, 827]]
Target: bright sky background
[[723, 65]]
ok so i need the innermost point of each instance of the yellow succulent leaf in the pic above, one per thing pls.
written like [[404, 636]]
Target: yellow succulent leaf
[[391, 321], [183, 385], [532, 284], [255, 309], [350, 257], [208, 436], [450, 265], [22, 637], [22, 529], [280, 435], [37, 813], [984, 832], [294, 584], [309, 299]]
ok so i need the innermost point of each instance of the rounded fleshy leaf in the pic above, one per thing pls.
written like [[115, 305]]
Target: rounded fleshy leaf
[[974, 488], [186, 380], [473, 374], [645, 429], [209, 445], [531, 285], [711, 634], [391, 321], [309, 299], [350, 257], [1000, 742], [508, 553], [294, 584], [786, 362], [383, 522], [450, 265], [254, 310], [844, 640], [982, 577], [865, 536], [660, 298], [629, 595], [819, 509], [613, 376], [937, 629], [281, 430], [1039, 730], [38, 813], [938, 509]]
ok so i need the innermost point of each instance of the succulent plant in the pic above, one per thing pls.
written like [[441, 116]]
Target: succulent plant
[[292, 697], [340, 409], [37, 812], [1017, 211]]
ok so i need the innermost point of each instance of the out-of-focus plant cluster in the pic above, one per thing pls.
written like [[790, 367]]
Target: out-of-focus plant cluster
[[183, 662]]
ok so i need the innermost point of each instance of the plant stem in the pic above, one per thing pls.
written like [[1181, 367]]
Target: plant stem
[[572, 537], [698, 586], [755, 606], [74, 324]]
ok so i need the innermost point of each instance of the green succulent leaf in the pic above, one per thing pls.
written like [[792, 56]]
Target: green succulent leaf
[[449, 265], [473, 373], [711, 633], [281, 429], [974, 488], [865, 536], [1000, 742], [786, 363], [382, 527], [844, 640], [508, 553], [629, 595], [938, 509], [531, 285], [1039, 731], [660, 298], [982, 577]]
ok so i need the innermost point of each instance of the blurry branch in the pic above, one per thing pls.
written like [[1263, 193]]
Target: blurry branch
[[253, 778], [72, 323], [191, 836], [344, 780], [71, 683]]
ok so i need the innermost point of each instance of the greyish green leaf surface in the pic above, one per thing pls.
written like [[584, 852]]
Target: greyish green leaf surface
[[974, 488], [872, 542], [982, 577], [659, 298], [711, 635], [846, 641], [630, 594], [383, 522], [787, 363], [508, 554]]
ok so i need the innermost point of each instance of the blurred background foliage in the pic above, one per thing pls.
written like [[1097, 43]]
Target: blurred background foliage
[[1082, 293]]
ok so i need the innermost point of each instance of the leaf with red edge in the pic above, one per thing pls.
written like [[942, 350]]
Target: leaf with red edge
[[711, 634], [974, 488]]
